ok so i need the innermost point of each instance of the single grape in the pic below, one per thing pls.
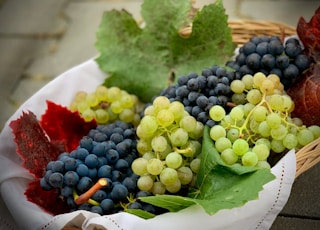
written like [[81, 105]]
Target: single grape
[[154, 166], [168, 176], [229, 157], [217, 112], [249, 159], [240, 147], [174, 160], [217, 131]]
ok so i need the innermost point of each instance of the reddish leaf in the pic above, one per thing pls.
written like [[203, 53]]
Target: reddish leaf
[[306, 96], [65, 128], [32, 144], [309, 34], [49, 201]]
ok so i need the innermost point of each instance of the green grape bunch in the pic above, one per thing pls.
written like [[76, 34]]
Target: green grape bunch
[[169, 146], [106, 105], [259, 123]]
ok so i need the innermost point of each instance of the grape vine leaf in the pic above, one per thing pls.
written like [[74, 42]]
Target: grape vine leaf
[[59, 123], [33, 146], [306, 92], [143, 60], [220, 186]]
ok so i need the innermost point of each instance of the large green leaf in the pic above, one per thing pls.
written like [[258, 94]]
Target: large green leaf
[[143, 60]]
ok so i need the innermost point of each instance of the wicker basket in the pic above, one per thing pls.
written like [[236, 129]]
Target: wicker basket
[[242, 31]]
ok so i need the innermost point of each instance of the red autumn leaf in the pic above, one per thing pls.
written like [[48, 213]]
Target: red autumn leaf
[[309, 34], [49, 201], [306, 96], [65, 128], [32, 144]]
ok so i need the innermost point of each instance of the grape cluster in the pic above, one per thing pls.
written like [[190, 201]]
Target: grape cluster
[[107, 105], [270, 56], [252, 130], [97, 176], [169, 145], [198, 93]]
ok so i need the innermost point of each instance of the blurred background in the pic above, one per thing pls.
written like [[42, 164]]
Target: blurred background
[[40, 39]]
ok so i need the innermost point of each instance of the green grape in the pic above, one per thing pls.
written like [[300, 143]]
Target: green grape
[[287, 103], [267, 86], [260, 113], [217, 113], [216, 132], [222, 143], [158, 188], [179, 137], [175, 187], [195, 165], [237, 113], [263, 141], [159, 143], [154, 166], [165, 118], [88, 115], [177, 109], [237, 86], [113, 94], [264, 129], [254, 96], [262, 151], [148, 124], [275, 102], [145, 183], [279, 133], [82, 106], [229, 157], [263, 165], [126, 100], [126, 115], [185, 175], [101, 93], [143, 134], [149, 111], [160, 103], [188, 123], [233, 134], [247, 108], [143, 146], [240, 147], [174, 160], [290, 141], [305, 136], [238, 98], [258, 78], [273, 120], [226, 121], [116, 107], [247, 81], [254, 125], [149, 155], [197, 132], [102, 116], [249, 159], [315, 129], [92, 100], [168, 176], [139, 166], [277, 146]]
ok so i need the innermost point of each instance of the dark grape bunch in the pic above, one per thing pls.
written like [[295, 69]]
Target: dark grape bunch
[[270, 56], [199, 93], [102, 164]]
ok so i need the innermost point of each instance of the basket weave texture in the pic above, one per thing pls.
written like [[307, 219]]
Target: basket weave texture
[[242, 31]]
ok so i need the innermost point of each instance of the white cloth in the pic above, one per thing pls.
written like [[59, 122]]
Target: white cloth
[[17, 213]]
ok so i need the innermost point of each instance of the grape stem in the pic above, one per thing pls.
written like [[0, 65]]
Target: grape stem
[[85, 197]]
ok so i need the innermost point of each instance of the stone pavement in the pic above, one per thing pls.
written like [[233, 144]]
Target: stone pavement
[[40, 39]]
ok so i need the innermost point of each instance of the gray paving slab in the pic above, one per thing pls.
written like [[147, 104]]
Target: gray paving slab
[[30, 17]]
